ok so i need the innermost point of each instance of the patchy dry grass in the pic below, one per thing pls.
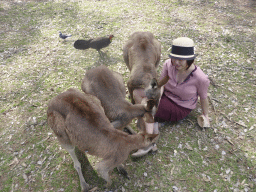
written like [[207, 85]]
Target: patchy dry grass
[[36, 65]]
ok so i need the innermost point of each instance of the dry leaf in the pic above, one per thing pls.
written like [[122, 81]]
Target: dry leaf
[[188, 147], [191, 161], [241, 123], [14, 162], [206, 178], [251, 128], [228, 139], [172, 169], [25, 177]]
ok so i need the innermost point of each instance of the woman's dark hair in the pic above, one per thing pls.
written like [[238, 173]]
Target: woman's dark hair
[[189, 63]]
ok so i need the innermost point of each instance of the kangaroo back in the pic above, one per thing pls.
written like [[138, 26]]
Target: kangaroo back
[[108, 87]]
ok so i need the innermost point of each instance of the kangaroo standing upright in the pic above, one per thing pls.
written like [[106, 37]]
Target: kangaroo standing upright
[[78, 119], [108, 87], [142, 54]]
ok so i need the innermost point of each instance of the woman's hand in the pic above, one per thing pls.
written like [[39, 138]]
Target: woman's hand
[[204, 118]]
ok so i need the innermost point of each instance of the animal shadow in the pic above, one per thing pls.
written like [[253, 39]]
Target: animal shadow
[[90, 175], [106, 59]]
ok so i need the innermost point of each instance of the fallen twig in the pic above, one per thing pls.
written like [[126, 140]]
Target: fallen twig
[[212, 81], [172, 169], [229, 141], [210, 99], [216, 100], [190, 122], [191, 161], [232, 120], [216, 118]]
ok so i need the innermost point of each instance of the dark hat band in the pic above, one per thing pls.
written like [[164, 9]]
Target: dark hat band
[[178, 50]]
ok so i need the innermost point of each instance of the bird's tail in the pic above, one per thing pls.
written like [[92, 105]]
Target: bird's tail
[[82, 44]]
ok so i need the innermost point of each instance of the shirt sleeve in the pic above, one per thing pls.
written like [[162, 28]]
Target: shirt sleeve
[[164, 70], [203, 87]]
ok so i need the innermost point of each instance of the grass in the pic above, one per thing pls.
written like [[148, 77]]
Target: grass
[[36, 65]]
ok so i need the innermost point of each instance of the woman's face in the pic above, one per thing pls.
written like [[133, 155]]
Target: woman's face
[[180, 65]]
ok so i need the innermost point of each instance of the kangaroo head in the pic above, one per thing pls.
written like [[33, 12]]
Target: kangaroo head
[[150, 104], [150, 138], [153, 91]]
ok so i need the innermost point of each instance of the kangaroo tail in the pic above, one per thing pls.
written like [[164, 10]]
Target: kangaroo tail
[[82, 44]]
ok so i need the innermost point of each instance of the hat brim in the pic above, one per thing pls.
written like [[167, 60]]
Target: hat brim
[[181, 57]]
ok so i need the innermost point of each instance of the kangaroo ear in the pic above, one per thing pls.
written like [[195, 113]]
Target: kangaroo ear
[[151, 137], [153, 83]]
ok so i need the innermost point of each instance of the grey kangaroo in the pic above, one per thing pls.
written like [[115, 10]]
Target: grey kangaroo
[[142, 54], [108, 87], [78, 120]]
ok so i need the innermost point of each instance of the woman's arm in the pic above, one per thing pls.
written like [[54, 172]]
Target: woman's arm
[[205, 107], [163, 81]]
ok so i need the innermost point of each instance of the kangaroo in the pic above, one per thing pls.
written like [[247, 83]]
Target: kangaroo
[[142, 56], [78, 120], [108, 87]]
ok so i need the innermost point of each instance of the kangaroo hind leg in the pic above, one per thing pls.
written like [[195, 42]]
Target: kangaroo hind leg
[[77, 166], [104, 167], [57, 123]]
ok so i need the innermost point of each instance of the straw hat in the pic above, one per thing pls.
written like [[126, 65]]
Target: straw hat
[[183, 48], [202, 121]]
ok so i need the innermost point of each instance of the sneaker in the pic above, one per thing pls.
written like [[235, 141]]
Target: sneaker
[[142, 152]]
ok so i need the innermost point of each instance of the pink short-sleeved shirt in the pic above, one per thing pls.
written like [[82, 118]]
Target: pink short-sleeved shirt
[[186, 93]]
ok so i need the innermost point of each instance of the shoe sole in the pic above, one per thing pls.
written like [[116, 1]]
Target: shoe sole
[[142, 153]]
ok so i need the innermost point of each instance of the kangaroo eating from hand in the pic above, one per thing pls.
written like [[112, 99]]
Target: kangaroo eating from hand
[[108, 87], [142, 56], [79, 120]]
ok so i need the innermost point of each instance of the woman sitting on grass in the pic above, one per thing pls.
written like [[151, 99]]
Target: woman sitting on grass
[[184, 83]]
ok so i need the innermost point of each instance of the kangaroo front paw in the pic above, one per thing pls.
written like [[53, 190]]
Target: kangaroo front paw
[[109, 183], [85, 187]]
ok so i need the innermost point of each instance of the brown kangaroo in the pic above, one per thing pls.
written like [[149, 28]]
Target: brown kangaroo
[[108, 87], [78, 119], [142, 55]]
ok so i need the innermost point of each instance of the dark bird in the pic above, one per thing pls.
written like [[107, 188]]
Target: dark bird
[[62, 36], [97, 43]]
